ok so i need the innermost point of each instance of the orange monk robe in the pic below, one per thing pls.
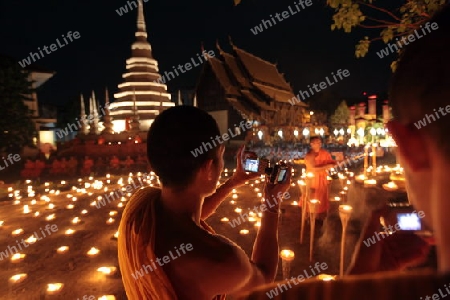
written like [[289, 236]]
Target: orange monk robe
[[319, 183], [136, 244]]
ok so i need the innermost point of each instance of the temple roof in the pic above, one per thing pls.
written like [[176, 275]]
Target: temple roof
[[254, 81]]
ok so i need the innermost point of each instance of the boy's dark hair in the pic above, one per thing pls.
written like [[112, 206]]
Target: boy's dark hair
[[421, 84], [173, 141]]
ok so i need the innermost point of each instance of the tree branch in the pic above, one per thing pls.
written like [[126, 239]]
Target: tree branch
[[380, 9]]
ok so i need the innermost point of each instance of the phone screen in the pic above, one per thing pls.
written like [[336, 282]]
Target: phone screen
[[282, 175], [409, 221], [251, 165]]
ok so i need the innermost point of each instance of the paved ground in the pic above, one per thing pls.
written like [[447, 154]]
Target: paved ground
[[78, 271]]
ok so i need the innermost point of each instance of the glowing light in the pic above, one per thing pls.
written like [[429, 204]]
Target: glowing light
[[31, 240], [69, 232], [287, 255], [62, 249], [244, 231], [17, 232], [18, 278], [107, 270], [53, 288], [224, 219], [93, 251], [17, 257]]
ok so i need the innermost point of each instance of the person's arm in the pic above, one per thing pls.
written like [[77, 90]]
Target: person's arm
[[311, 164], [211, 203]]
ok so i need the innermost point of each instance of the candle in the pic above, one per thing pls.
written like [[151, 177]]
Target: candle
[[238, 210], [258, 224], [113, 213], [235, 196], [17, 232], [62, 249], [51, 206], [107, 297], [75, 220], [224, 219], [1, 223], [50, 217], [110, 221], [54, 288], [36, 214], [83, 212], [116, 235], [287, 255], [232, 202], [18, 278], [326, 277], [244, 231], [26, 210], [31, 240], [70, 206], [93, 251], [370, 182], [69, 232], [107, 270], [17, 257]]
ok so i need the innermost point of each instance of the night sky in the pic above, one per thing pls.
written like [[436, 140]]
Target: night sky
[[303, 46]]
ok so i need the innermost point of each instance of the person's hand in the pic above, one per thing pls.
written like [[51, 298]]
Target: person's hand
[[394, 252], [241, 176], [273, 193]]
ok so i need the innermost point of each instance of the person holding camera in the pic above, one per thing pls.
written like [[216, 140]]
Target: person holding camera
[[166, 250], [419, 93]]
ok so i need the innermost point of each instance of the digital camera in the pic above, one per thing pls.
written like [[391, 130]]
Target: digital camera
[[404, 218], [276, 174]]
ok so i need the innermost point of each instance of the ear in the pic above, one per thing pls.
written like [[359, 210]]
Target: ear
[[207, 169], [411, 145]]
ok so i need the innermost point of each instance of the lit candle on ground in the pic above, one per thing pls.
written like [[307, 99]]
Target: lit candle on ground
[[116, 235], [107, 297], [83, 212], [1, 223], [17, 232], [69, 232], [326, 277], [286, 257], [54, 288], [62, 249], [120, 204], [258, 224], [36, 214], [70, 206], [93, 251], [224, 219], [50, 217], [110, 221], [370, 183], [51, 206], [235, 196], [18, 278], [107, 270], [17, 257], [244, 231], [31, 240], [238, 210], [75, 220], [232, 202], [113, 213]]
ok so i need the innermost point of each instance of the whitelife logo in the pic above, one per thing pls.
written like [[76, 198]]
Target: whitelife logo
[[266, 24], [165, 260], [430, 118], [53, 47], [198, 151], [394, 47]]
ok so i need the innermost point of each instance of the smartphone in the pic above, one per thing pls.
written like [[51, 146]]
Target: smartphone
[[251, 165], [409, 221], [282, 175]]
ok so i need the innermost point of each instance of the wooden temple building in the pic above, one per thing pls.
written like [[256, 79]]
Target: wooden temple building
[[239, 85]]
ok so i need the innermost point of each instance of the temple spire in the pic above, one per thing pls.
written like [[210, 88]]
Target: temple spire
[[195, 101], [107, 122], [82, 115], [141, 27], [180, 102]]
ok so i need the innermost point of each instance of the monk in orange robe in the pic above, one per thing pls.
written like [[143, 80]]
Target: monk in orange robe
[[165, 248], [318, 161]]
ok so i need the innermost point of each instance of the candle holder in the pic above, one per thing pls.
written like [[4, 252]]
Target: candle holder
[[345, 212], [287, 256], [305, 199], [312, 218]]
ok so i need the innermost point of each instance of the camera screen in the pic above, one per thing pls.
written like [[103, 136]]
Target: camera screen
[[251, 165], [409, 221], [282, 175]]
